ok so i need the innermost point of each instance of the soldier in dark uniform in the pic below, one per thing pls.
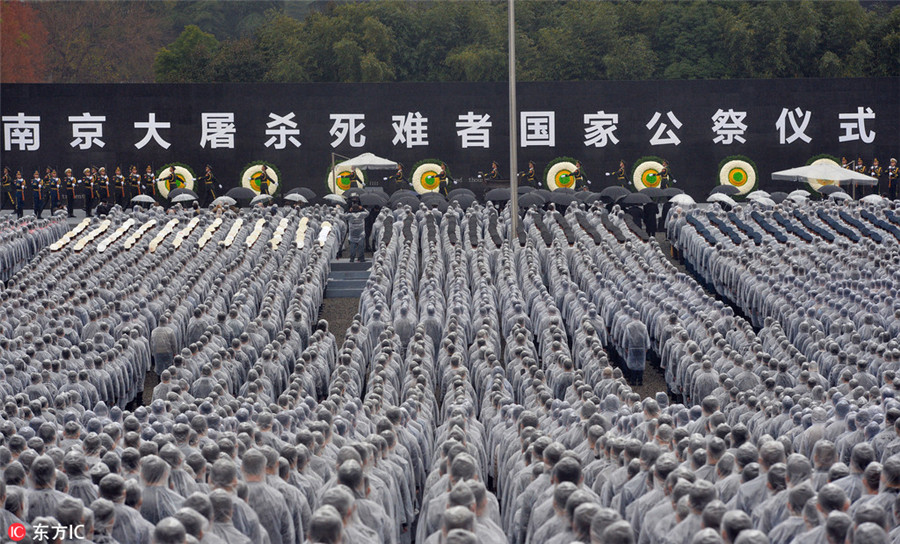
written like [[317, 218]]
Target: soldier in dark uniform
[[860, 168], [19, 187], [893, 171], [494, 174], [264, 181], [7, 189], [442, 180], [55, 191], [134, 183], [875, 171], [37, 194], [578, 176], [845, 164], [665, 175], [149, 181], [118, 187], [621, 176], [353, 178], [87, 184], [102, 185], [70, 183], [398, 177], [210, 184], [529, 175]]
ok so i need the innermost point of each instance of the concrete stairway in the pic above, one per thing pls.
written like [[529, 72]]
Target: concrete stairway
[[347, 280]]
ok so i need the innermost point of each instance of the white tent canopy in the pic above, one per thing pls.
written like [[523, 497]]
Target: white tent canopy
[[368, 161], [823, 172]]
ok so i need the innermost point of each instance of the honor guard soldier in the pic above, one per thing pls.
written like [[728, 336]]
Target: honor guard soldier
[[846, 164], [210, 184], [70, 183], [442, 180], [353, 179], [104, 190], [578, 176], [55, 190], [264, 181], [860, 168], [6, 185], [875, 171], [149, 181], [494, 174], [118, 184], [893, 171], [665, 175], [398, 177], [37, 194], [529, 174], [134, 183], [87, 185], [621, 177], [19, 188]]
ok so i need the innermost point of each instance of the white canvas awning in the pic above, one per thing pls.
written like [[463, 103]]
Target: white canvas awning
[[368, 161], [823, 172]]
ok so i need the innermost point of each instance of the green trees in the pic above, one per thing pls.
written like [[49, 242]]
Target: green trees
[[446, 40]]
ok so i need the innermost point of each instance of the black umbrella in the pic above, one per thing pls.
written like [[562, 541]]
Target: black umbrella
[[531, 199], [460, 191], [405, 200], [402, 193], [522, 189], [653, 192], [594, 197], [728, 190], [583, 196], [353, 191], [545, 193], [565, 190], [828, 189], [241, 195], [614, 193], [497, 195], [562, 198], [181, 191], [371, 199], [308, 193], [778, 197], [465, 199], [439, 203], [634, 199], [672, 191]]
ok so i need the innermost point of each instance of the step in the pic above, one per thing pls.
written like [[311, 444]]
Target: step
[[346, 284], [349, 275], [345, 266], [342, 293]]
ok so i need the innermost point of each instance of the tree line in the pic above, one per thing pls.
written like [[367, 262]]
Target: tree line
[[388, 40]]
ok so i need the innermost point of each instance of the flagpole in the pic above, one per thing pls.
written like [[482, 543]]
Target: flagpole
[[513, 147]]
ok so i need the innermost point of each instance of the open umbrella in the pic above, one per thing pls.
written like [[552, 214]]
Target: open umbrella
[[334, 199], [224, 201], [307, 193], [497, 195], [351, 192], [562, 198], [799, 193], [531, 199], [522, 189], [564, 190], [405, 200], [260, 199], [840, 195], [653, 192], [184, 197], [729, 190], [441, 204], [143, 199], [583, 196], [722, 198], [371, 199], [828, 189], [682, 200], [765, 201], [594, 197], [874, 199], [613, 193], [242, 195], [758, 194], [401, 193], [181, 191], [296, 197], [634, 199], [464, 199], [778, 197], [460, 191], [669, 192]]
